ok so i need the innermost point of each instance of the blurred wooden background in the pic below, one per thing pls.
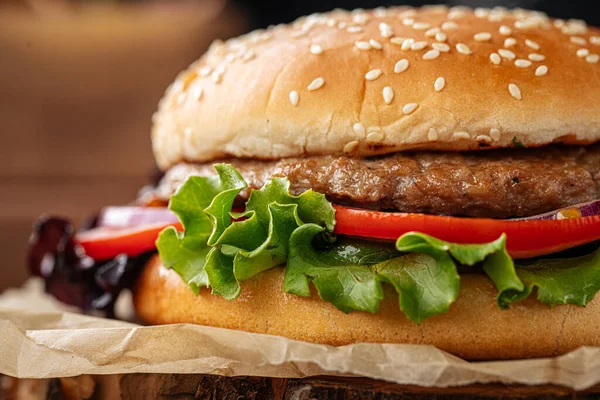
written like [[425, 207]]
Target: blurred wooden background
[[77, 91]]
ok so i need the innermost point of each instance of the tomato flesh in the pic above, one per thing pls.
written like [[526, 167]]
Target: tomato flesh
[[104, 243], [525, 239], [133, 230]]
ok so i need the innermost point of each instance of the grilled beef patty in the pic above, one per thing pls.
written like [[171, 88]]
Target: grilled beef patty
[[496, 184]]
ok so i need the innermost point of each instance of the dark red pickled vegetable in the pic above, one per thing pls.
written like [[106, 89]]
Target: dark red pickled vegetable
[[73, 277]]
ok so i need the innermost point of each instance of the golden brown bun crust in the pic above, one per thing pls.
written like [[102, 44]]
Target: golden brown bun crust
[[474, 328], [235, 100]]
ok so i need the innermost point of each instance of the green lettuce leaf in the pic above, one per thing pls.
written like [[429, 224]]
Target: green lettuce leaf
[[558, 281], [426, 284], [186, 252], [422, 269], [219, 270], [312, 207], [497, 264], [216, 252], [339, 273]]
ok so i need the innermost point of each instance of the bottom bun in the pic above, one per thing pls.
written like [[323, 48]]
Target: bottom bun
[[473, 329]]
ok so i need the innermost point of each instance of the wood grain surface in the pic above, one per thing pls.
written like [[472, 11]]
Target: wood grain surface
[[77, 92], [165, 386]]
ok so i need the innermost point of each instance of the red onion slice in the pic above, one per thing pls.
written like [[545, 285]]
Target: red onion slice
[[127, 217], [588, 209]]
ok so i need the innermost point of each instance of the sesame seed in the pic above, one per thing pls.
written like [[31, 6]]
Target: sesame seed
[[407, 44], [432, 135], [515, 91], [593, 58], [595, 40], [385, 30], [537, 57], [495, 17], [316, 49], [532, 44], [354, 29], [510, 42], [572, 28], [463, 49], [505, 30], [449, 25], [350, 147], [509, 55], [380, 12], [408, 21], [360, 18], [411, 12], [359, 129], [342, 24], [182, 97], [375, 44], [432, 32], [482, 36], [495, 58], [397, 40], [418, 46], [196, 92], [559, 23], [248, 55], [388, 94], [521, 63], [431, 55], [374, 136], [316, 84], [216, 77], [441, 37], [361, 45], [387, 34], [266, 36], [481, 12], [526, 23], [421, 26], [439, 84], [453, 14], [409, 108], [330, 22], [541, 70], [220, 69], [384, 26], [578, 40], [483, 138], [495, 134], [401, 66], [583, 53], [294, 97], [205, 71], [461, 135], [443, 47], [373, 74]]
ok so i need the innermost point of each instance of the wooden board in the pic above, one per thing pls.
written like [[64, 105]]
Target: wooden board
[[166, 386]]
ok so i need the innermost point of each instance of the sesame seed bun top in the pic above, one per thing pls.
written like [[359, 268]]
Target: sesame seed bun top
[[375, 82]]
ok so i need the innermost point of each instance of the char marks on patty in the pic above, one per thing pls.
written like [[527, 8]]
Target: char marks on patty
[[494, 184]]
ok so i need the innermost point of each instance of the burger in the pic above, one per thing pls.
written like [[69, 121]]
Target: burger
[[400, 175]]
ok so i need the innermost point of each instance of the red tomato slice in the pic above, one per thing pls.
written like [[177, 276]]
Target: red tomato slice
[[528, 238], [524, 239], [104, 243]]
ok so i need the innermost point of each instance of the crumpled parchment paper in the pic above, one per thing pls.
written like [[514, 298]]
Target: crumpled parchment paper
[[43, 339]]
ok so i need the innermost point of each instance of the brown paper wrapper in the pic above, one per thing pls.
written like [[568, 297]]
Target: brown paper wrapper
[[42, 339]]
